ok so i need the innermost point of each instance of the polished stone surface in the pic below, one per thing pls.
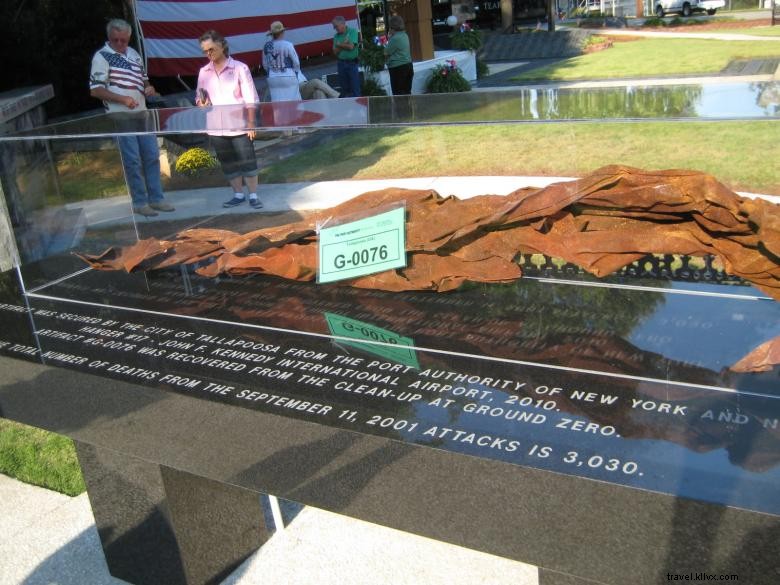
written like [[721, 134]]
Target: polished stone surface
[[627, 383], [595, 529], [160, 525], [651, 457], [132, 517], [218, 526]]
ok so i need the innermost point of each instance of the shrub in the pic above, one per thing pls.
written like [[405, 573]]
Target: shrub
[[372, 57], [595, 43], [483, 70], [194, 161], [653, 22], [677, 21], [466, 39], [447, 78], [371, 87], [592, 20]]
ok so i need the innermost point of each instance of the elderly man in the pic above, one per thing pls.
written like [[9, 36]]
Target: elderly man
[[119, 80], [345, 47]]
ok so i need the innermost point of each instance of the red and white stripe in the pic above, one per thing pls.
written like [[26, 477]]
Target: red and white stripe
[[125, 82], [126, 78], [170, 29]]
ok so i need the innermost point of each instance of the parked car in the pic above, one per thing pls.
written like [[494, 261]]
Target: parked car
[[687, 7]]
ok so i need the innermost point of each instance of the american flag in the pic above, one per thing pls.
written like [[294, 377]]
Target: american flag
[[123, 73], [170, 29]]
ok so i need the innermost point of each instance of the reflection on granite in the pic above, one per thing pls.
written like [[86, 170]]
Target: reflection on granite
[[599, 530], [600, 382], [719, 101], [8, 254], [132, 517], [761, 359], [602, 222], [218, 526], [160, 525]]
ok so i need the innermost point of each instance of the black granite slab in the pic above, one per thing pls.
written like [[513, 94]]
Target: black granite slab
[[162, 525], [627, 383], [599, 531]]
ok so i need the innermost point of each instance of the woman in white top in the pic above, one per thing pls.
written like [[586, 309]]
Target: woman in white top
[[282, 64]]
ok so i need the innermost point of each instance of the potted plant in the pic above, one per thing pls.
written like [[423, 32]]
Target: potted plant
[[447, 78]]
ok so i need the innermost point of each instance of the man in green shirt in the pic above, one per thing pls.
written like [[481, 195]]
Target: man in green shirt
[[398, 56], [345, 47]]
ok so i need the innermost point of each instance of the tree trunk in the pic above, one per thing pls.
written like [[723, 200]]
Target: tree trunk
[[417, 18], [507, 14], [552, 14]]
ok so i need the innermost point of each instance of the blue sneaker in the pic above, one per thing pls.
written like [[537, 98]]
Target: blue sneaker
[[233, 202], [255, 202]]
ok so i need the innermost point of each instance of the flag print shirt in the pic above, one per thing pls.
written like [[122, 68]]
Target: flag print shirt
[[119, 73]]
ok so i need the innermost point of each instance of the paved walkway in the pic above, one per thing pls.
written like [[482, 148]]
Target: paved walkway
[[47, 538]]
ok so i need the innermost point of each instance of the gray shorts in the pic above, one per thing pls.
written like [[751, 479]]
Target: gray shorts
[[236, 154]]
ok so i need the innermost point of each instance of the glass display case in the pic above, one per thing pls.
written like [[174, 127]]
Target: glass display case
[[630, 377]]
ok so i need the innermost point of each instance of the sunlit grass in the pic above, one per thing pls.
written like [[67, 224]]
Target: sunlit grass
[[737, 153], [653, 57], [39, 458], [90, 175]]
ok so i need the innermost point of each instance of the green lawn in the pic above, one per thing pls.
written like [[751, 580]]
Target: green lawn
[[734, 152], [40, 458], [98, 174], [652, 57]]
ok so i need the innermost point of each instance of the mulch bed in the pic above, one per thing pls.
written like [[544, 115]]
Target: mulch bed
[[716, 25]]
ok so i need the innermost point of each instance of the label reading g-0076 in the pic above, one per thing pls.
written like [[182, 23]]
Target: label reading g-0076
[[366, 246]]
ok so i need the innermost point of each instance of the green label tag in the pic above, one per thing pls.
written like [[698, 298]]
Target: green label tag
[[401, 349], [366, 246]]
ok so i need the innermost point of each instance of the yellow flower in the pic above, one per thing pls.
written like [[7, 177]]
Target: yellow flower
[[195, 160]]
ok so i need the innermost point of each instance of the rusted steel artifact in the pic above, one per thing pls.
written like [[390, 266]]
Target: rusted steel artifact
[[601, 222]]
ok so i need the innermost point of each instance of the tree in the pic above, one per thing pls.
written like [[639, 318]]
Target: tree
[[507, 13], [552, 14], [55, 41]]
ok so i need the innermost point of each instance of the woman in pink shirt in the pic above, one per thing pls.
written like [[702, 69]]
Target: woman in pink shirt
[[225, 82]]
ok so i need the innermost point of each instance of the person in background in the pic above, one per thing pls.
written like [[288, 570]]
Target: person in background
[[398, 57], [222, 82], [315, 89], [345, 47], [118, 78], [280, 60]]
